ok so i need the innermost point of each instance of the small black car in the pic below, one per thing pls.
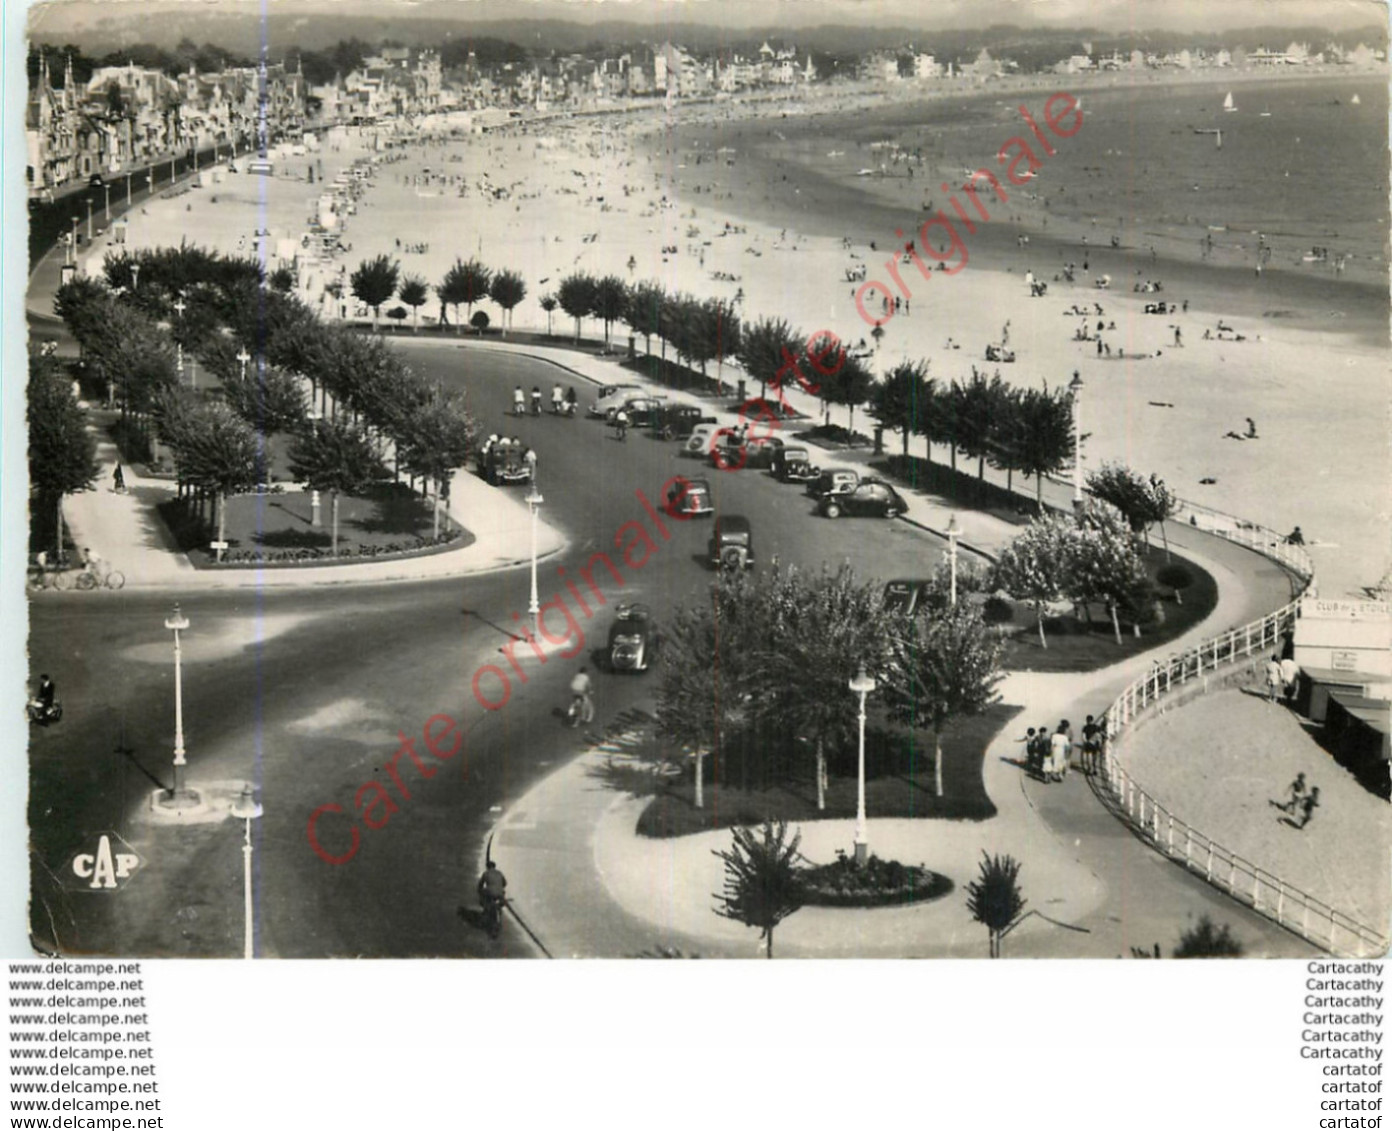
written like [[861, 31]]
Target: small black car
[[794, 465], [678, 421], [632, 639], [869, 496], [732, 543]]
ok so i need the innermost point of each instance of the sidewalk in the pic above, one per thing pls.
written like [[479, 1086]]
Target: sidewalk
[[127, 531]]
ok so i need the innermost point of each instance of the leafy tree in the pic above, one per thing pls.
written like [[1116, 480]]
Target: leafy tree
[[465, 283], [62, 453], [438, 441], [548, 304], [216, 451], [762, 885], [608, 303], [576, 295], [283, 280], [414, 293], [951, 665], [1142, 501], [334, 456], [1034, 567], [897, 402], [994, 898], [507, 290], [978, 407], [1206, 940], [374, 282], [763, 349], [1041, 439], [712, 332], [480, 321], [850, 385], [268, 399], [643, 311], [1103, 564]]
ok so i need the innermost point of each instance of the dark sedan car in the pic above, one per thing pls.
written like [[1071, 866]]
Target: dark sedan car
[[678, 421], [868, 497]]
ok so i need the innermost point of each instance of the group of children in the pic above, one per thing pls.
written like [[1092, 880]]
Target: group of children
[[1049, 756]]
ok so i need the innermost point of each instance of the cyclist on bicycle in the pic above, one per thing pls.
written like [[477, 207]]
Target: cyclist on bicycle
[[95, 564], [581, 688], [492, 886], [557, 400], [621, 423]]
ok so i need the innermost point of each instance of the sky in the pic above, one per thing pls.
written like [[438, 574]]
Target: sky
[[1198, 15]]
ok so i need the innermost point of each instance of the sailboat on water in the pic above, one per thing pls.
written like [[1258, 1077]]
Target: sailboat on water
[[1228, 106]]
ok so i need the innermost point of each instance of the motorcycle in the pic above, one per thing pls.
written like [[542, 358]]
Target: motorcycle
[[42, 715]]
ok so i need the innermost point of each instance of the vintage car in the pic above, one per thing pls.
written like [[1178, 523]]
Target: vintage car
[[729, 453], [678, 421], [832, 483], [507, 465], [611, 396], [869, 496], [699, 442], [732, 543], [688, 498], [792, 464], [632, 639]]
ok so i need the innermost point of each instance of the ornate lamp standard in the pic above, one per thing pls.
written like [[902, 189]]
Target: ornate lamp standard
[[72, 246], [534, 501], [243, 357], [861, 684], [89, 219], [106, 188], [953, 532], [247, 808], [1075, 389], [180, 795], [179, 307]]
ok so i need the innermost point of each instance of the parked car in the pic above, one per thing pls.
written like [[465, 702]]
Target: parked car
[[95, 180], [641, 411], [906, 597], [832, 483], [611, 396], [507, 466], [689, 497], [869, 496], [794, 465], [633, 640], [754, 452], [678, 421], [732, 543], [699, 442]]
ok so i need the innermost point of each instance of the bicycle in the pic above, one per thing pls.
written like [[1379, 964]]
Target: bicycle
[[89, 579]]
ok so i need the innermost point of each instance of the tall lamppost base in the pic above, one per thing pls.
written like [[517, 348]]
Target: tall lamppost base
[[862, 853], [182, 798]]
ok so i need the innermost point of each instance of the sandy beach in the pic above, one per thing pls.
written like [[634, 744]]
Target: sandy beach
[[1304, 356]]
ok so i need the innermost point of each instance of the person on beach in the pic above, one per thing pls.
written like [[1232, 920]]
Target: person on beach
[[1274, 683], [1296, 789], [1295, 538], [1308, 805]]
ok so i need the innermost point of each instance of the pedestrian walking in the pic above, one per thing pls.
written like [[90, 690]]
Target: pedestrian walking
[[1297, 790], [1308, 806], [1274, 683], [1038, 751], [1092, 745], [1290, 678], [1059, 749], [118, 480]]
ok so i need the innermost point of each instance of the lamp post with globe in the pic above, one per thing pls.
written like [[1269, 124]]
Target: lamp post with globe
[[862, 685], [246, 808]]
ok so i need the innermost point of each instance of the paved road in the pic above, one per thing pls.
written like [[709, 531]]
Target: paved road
[[306, 693]]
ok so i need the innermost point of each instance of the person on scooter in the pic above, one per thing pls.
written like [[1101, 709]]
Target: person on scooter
[[557, 399], [581, 687], [621, 423], [519, 401], [571, 401], [536, 400], [492, 893]]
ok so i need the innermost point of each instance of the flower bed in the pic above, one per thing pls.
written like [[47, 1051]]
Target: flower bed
[[880, 883]]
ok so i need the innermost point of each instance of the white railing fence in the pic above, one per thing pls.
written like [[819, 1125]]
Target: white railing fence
[[1209, 663]]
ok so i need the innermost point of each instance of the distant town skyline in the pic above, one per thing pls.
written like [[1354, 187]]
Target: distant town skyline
[[57, 17]]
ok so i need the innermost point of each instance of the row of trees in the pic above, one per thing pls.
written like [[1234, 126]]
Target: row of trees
[[264, 347], [768, 658], [376, 280], [62, 453]]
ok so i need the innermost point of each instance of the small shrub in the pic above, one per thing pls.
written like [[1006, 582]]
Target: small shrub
[[880, 883]]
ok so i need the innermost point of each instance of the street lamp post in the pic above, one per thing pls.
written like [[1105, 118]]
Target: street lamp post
[[89, 219], [862, 684], [180, 794], [243, 357], [953, 532], [106, 188], [1075, 388], [129, 173], [247, 808], [534, 502], [135, 277], [73, 245], [179, 307]]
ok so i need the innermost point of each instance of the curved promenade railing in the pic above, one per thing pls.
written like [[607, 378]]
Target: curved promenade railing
[[1164, 686]]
